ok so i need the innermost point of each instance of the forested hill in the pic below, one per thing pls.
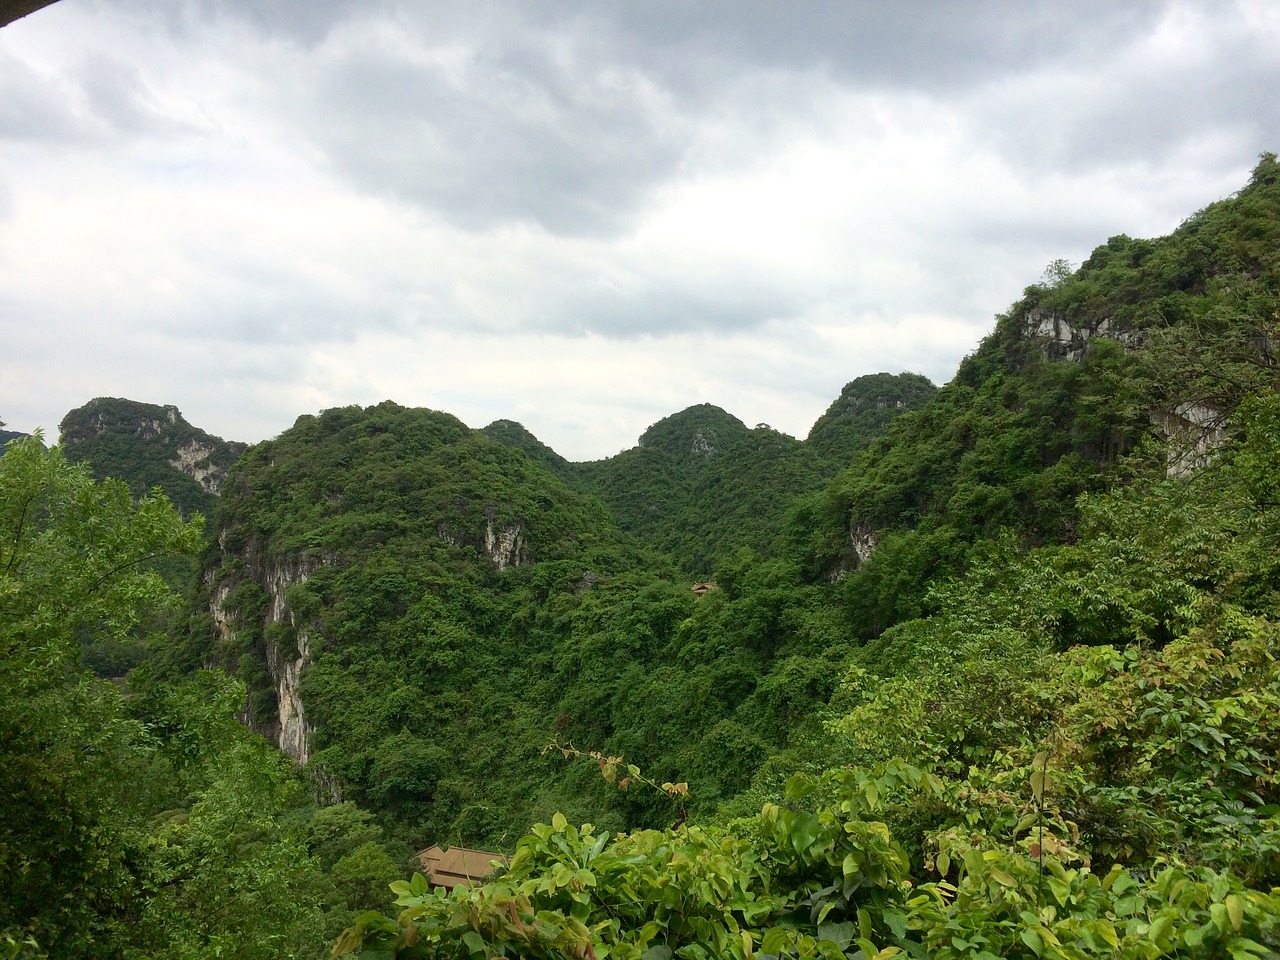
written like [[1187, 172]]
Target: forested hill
[[149, 446], [1149, 340], [387, 582], [991, 670], [700, 485]]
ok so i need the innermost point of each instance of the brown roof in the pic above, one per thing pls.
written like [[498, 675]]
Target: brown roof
[[457, 866]]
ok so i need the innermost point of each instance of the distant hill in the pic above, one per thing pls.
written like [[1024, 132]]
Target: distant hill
[[657, 490], [862, 411], [700, 485], [147, 446], [392, 542], [509, 433], [693, 437]]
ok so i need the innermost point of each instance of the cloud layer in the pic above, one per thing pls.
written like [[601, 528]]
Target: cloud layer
[[577, 215]]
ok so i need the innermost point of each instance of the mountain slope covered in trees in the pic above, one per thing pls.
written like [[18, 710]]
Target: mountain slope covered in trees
[[1056, 736], [989, 670], [149, 446]]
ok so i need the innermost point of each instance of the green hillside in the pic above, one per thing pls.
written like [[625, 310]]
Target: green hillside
[[424, 584], [1077, 374], [988, 670], [700, 486], [149, 446], [861, 413], [512, 434]]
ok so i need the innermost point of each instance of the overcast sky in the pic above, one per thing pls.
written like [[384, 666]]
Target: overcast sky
[[582, 216]]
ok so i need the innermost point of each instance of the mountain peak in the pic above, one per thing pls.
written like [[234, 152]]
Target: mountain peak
[[694, 435]]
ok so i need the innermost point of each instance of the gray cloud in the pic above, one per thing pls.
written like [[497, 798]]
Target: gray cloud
[[495, 136], [581, 215], [117, 96], [914, 43], [37, 106], [571, 116]]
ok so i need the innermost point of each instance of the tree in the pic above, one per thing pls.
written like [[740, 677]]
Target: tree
[[75, 558]]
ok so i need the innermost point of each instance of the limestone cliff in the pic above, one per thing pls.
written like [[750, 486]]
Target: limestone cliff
[[266, 626], [147, 446], [503, 545], [1064, 339], [1193, 432]]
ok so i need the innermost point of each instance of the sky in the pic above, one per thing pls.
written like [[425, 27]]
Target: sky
[[584, 216]]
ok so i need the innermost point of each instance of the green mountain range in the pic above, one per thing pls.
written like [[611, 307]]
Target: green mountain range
[[981, 670]]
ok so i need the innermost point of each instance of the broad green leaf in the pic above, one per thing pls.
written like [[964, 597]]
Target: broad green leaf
[[1002, 877], [1235, 910]]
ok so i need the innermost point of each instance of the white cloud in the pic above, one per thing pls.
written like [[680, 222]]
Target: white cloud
[[581, 217]]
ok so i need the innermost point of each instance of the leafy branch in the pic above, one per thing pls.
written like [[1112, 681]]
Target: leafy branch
[[611, 767]]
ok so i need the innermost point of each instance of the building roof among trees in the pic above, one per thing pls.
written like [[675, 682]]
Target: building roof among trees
[[457, 866]]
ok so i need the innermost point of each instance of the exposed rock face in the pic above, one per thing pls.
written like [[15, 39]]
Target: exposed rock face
[[504, 546], [194, 459], [288, 729], [147, 446], [1065, 340], [702, 447], [1194, 431], [294, 731], [862, 541]]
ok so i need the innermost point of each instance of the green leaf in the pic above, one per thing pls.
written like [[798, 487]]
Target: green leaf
[[895, 921], [775, 940], [1032, 940], [1003, 878], [1235, 910], [1037, 785], [804, 831]]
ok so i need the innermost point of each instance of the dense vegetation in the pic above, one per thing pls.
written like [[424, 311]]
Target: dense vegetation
[[149, 446], [989, 670], [142, 819]]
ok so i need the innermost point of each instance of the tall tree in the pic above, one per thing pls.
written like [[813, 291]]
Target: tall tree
[[76, 557]]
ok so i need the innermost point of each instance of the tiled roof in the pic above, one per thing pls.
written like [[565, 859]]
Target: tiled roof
[[457, 866]]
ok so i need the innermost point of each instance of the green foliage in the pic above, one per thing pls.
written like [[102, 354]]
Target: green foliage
[[861, 413], [818, 877], [415, 632], [514, 435], [144, 444], [1139, 662], [75, 556], [693, 437], [701, 486], [137, 820]]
